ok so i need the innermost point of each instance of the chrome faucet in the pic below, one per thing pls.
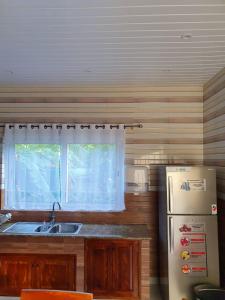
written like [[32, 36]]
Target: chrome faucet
[[52, 216]]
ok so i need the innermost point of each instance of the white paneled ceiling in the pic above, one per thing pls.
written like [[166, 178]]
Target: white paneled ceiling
[[111, 42]]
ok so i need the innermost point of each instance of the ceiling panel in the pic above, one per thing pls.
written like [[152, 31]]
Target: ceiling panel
[[111, 42]]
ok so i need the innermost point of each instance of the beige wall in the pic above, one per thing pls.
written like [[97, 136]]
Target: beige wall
[[214, 128], [214, 147], [172, 133], [171, 117]]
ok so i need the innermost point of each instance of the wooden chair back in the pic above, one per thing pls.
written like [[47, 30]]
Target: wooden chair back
[[35, 294]]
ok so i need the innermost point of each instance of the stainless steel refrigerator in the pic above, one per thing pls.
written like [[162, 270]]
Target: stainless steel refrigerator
[[188, 238]]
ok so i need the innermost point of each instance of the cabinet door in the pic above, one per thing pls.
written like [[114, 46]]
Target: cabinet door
[[15, 273], [112, 268], [97, 266], [125, 268], [55, 272], [36, 271]]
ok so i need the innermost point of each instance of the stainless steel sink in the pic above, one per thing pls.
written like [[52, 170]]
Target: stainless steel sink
[[65, 228], [23, 227], [43, 228]]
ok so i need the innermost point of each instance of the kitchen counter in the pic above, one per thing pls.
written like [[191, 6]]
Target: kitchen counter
[[127, 246], [137, 232], [115, 231]]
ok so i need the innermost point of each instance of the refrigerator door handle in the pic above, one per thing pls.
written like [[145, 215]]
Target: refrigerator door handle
[[170, 189], [171, 234]]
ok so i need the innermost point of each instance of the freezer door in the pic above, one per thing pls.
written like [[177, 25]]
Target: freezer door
[[191, 190], [192, 254]]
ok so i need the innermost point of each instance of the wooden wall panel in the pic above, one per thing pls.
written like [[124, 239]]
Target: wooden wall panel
[[214, 147], [172, 133]]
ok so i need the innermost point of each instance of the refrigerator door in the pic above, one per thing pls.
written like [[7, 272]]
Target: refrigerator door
[[191, 190], [192, 254]]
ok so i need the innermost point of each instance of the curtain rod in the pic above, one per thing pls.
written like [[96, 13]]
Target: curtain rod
[[82, 126]]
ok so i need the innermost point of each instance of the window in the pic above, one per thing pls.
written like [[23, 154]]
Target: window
[[83, 169]]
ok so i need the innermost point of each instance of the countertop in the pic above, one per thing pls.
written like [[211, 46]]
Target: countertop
[[135, 232]]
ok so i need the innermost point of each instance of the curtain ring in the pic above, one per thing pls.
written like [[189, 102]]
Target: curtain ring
[[85, 126], [45, 126], [100, 126], [114, 126], [20, 126]]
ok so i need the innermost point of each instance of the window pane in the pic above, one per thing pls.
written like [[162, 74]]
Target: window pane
[[37, 179], [91, 176]]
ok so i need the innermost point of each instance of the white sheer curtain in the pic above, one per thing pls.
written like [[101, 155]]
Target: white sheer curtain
[[81, 167]]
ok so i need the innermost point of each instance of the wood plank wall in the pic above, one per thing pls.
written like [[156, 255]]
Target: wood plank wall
[[214, 147], [172, 133]]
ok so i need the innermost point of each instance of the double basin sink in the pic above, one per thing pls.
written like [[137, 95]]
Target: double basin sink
[[43, 228]]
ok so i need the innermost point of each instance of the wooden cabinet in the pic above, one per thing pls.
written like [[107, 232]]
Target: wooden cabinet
[[15, 273], [36, 271], [112, 268], [55, 272]]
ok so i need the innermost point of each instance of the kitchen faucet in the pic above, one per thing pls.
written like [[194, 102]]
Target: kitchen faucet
[[52, 216]]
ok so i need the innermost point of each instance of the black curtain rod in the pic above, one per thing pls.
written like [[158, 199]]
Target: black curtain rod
[[82, 126]]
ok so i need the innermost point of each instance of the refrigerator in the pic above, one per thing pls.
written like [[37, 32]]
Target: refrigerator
[[188, 237]]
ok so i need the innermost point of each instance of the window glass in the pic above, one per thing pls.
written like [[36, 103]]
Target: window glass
[[37, 181], [91, 182]]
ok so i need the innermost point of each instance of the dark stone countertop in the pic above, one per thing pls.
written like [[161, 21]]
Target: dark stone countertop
[[115, 231], [135, 232]]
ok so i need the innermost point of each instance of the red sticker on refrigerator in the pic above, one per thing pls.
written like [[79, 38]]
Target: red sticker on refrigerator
[[184, 241]]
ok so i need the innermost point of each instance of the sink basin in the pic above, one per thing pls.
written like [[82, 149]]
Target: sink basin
[[65, 228], [43, 228], [23, 227]]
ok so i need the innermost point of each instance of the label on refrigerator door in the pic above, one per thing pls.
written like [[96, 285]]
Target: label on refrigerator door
[[185, 255], [197, 227], [185, 241], [194, 269], [192, 228], [193, 250], [186, 269], [198, 270], [197, 185], [197, 256], [189, 241]]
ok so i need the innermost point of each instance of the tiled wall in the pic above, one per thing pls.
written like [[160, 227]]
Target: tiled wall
[[214, 147]]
